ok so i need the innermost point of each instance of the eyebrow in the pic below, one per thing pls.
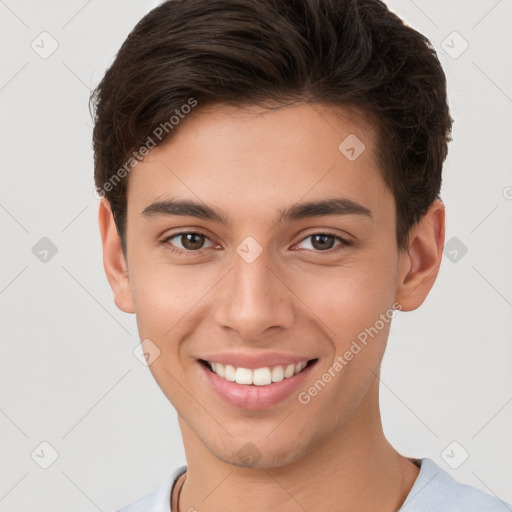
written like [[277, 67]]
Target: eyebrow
[[189, 208]]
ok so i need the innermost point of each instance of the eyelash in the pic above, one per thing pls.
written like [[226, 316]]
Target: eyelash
[[343, 243]]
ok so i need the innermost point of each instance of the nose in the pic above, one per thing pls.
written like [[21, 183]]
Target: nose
[[254, 299]]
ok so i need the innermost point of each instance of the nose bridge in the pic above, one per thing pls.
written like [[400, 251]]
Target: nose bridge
[[254, 299]]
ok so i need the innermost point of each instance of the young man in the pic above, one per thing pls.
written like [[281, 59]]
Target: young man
[[270, 174]]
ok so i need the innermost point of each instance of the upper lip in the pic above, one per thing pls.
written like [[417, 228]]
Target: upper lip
[[253, 361]]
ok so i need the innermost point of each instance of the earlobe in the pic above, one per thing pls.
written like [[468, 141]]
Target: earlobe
[[114, 261], [419, 264]]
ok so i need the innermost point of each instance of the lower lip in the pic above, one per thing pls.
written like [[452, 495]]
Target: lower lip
[[255, 397]]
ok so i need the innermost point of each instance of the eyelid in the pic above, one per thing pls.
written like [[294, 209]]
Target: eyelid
[[344, 242], [185, 252]]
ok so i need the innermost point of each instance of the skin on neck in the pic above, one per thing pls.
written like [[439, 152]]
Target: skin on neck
[[252, 164], [354, 469]]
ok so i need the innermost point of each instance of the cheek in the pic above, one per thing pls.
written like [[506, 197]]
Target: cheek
[[163, 303], [355, 310], [163, 295], [354, 304], [348, 299], [151, 301]]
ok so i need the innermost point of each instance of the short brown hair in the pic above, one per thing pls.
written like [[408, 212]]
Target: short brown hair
[[240, 52]]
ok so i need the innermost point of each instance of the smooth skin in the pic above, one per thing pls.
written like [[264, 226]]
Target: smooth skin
[[297, 297]]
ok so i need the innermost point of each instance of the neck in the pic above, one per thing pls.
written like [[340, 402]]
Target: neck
[[354, 469]]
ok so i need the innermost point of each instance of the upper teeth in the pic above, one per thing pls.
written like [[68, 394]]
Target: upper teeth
[[259, 376]]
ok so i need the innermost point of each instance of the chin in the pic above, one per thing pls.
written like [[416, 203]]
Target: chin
[[258, 454]]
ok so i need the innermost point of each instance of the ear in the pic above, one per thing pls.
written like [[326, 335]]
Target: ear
[[419, 263], [113, 259]]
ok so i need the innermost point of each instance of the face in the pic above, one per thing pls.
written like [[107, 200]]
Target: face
[[254, 276]]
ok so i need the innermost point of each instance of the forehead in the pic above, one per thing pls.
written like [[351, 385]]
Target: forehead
[[253, 157]]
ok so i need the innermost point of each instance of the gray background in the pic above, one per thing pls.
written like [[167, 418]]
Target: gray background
[[69, 375]]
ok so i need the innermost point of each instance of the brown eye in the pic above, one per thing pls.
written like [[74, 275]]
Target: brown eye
[[186, 241], [192, 241], [324, 242]]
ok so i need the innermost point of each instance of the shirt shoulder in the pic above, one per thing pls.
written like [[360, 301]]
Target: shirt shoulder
[[160, 499], [433, 491], [436, 491]]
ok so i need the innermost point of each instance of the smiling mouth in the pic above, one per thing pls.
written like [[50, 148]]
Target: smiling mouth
[[263, 376]]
